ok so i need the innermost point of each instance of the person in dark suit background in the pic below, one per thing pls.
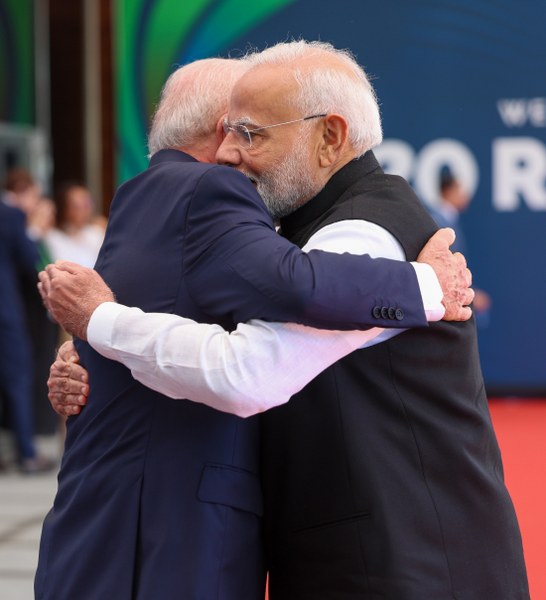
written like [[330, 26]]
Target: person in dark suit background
[[24, 192], [19, 258], [382, 477], [173, 483]]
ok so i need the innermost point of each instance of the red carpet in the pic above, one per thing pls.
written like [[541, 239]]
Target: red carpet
[[521, 430]]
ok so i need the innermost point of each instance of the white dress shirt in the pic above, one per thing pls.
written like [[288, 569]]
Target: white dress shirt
[[260, 364]]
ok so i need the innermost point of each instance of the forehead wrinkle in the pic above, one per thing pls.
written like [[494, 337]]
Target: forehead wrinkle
[[259, 90]]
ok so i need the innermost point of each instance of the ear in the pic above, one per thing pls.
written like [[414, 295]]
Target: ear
[[334, 139], [220, 135]]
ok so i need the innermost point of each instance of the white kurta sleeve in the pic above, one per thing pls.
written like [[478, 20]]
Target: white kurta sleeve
[[258, 366]]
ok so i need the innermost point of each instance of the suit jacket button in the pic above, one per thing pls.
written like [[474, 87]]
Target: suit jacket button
[[399, 314], [392, 313], [384, 312], [376, 312]]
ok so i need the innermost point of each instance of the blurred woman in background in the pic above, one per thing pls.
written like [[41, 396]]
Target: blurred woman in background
[[78, 235]]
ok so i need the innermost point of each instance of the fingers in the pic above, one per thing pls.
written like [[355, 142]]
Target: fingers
[[64, 403], [67, 267], [465, 274], [68, 377], [44, 287], [460, 260], [41, 290], [68, 388], [62, 407], [468, 297], [67, 353], [45, 282], [457, 304], [443, 238], [468, 277], [437, 247], [53, 273], [43, 295], [63, 398], [462, 313]]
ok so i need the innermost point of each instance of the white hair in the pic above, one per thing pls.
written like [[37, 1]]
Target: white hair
[[192, 101], [327, 88]]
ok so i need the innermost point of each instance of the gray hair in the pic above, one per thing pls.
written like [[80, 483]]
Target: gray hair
[[192, 101], [327, 88]]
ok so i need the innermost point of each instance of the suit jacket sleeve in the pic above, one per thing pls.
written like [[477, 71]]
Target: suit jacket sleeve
[[237, 265]]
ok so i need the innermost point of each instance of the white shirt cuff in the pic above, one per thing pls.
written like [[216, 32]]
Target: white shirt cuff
[[431, 291], [100, 329]]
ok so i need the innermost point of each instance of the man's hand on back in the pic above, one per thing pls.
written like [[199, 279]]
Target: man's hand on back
[[454, 276], [67, 385], [71, 293]]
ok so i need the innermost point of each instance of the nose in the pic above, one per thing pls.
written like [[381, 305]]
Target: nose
[[229, 152]]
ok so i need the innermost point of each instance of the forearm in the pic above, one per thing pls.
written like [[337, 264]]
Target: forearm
[[320, 289], [229, 239], [256, 367]]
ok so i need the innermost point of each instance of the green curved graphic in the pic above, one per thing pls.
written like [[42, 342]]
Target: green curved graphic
[[16, 62], [169, 24], [152, 37]]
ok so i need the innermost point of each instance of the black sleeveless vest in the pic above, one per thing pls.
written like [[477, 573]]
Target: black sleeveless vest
[[383, 477]]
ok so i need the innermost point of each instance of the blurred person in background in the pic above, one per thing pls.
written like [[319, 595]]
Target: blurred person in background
[[24, 192], [78, 235], [454, 200], [19, 259]]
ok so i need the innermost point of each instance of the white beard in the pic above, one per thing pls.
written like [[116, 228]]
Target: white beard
[[289, 184]]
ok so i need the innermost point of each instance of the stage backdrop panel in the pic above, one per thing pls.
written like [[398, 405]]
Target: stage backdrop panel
[[17, 62], [461, 85]]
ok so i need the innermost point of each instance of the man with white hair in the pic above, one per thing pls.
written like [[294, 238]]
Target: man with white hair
[[162, 499], [382, 478]]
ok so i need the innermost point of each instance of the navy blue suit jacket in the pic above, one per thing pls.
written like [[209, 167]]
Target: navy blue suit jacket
[[18, 260], [18, 256], [160, 498]]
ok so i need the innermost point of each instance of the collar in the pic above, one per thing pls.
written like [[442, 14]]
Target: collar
[[337, 185], [170, 155]]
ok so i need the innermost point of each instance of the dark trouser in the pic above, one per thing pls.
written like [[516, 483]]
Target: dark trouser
[[16, 381]]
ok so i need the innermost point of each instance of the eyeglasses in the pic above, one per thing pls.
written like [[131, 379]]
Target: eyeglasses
[[244, 135]]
